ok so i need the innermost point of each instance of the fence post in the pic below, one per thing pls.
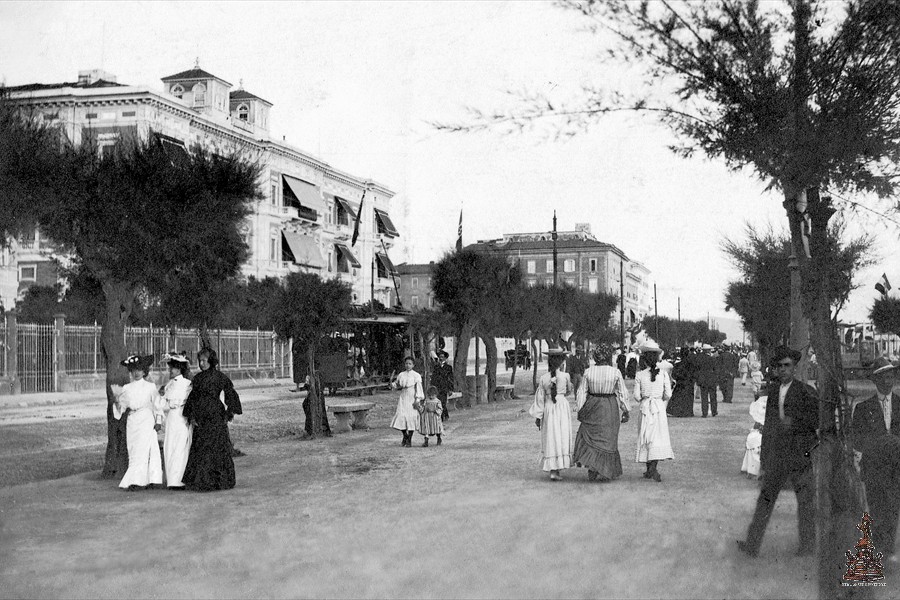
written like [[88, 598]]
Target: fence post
[[96, 345], [290, 343], [257, 348], [239, 347], [59, 362], [12, 354]]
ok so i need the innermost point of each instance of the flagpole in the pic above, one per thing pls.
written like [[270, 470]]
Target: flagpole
[[621, 305]]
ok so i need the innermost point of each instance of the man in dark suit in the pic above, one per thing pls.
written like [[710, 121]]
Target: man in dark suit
[[707, 378], [789, 433], [442, 379], [727, 363], [876, 433]]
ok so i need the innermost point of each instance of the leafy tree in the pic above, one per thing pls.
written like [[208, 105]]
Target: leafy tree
[[885, 315], [467, 284], [674, 333], [39, 304], [308, 309], [104, 211], [804, 93], [761, 294]]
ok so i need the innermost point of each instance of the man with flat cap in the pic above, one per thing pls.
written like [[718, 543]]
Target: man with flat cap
[[876, 433], [789, 433], [442, 379]]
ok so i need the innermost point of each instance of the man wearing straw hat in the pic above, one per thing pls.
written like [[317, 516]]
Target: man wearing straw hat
[[876, 433]]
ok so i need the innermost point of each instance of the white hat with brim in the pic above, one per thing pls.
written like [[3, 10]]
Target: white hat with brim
[[650, 346], [882, 365]]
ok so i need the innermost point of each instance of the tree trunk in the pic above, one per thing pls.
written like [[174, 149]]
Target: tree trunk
[[534, 362], [490, 365], [119, 303], [205, 341], [315, 394], [839, 497], [461, 357]]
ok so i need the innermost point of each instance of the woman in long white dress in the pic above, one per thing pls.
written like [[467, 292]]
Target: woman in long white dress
[[177, 442], [652, 390], [406, 417], [144, 407], [553, 416]]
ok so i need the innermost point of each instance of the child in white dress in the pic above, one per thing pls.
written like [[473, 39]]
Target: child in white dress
[[406, 417], [750, 465], [430, 416]]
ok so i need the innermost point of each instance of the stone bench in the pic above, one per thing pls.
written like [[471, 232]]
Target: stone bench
[[452, 397], [358, 389], [504, 392], [359, 411]]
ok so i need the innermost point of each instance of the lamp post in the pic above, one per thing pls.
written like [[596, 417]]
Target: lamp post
[[553, 237]]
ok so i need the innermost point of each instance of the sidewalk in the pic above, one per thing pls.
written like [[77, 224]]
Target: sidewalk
[[355, 515]]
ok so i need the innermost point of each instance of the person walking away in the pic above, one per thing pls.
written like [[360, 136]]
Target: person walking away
[[743, 369], [406, 417], [750, 466], [575, 367], [177, 441], [682, 402], [727, 363], [430, 423], [140, 400], [707, 379], [210, 465], [875, 433], [652, 389], [601, 409], [551, 412], [442, 379], [789, 434]]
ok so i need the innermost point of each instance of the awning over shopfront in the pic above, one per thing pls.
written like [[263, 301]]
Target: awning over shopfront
[[348, 256], [304, 250], [386, 263], [386, 224], [307, 194]]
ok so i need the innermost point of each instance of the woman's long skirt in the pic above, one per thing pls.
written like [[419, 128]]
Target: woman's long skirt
[[556, 435], [653, 432], [176, 446], [597, 440], [682, 402], [144, 461]]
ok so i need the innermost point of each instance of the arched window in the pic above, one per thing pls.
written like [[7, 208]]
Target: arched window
[[177, 90], [243, 111], [199, 94]]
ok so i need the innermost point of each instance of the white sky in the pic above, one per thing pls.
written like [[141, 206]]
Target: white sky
[[355, 83]]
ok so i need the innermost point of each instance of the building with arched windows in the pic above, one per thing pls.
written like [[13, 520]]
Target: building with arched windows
[[306, 218]]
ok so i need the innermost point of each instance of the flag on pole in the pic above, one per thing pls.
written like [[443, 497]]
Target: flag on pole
[[883, 285], [459, 233], [358, 217]]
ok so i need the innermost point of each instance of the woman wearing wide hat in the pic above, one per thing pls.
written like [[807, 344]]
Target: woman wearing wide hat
[[652, 389], [552, 414], [140, 399], [601, 408], [177, 442]]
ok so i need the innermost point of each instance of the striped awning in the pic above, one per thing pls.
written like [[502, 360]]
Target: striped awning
[[304, 249], [346, 206], [306, 193], [348, 256], [389, 229], [386, 263]]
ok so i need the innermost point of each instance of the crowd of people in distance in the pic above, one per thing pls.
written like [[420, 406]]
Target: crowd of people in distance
[[197, 447]]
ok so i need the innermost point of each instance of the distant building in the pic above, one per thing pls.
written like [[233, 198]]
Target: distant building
[[303, 223], [414, 281], [583, 262]]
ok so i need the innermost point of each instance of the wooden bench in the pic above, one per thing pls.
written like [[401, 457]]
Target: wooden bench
[[452, 397], [359, 411], [504, 392]]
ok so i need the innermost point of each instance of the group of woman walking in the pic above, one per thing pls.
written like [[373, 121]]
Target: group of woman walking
[[196, 446], [602, 407]]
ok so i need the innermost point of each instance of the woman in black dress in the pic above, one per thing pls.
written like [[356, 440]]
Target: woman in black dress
[[682, 402], [210, 466]]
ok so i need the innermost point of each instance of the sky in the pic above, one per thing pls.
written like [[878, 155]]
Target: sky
[[358, 85]]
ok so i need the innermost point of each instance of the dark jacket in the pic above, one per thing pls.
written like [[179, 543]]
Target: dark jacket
[[868, 422], [442, 377], [706, 375], [786, 445], [727, 365]]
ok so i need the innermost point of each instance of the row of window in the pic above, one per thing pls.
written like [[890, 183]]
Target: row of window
[[568, 266], [414, 302]]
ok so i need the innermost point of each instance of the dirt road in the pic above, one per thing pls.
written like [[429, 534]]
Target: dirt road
[[356, 515]]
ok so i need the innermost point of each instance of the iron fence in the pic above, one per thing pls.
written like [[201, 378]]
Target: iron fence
[[39, 354]]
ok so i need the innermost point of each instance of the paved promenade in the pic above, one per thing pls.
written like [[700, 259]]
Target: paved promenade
[[356, 515]]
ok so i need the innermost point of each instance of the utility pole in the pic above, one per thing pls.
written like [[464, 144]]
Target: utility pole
[[554, 236], [622, 304], [655, 313], [372, 302]]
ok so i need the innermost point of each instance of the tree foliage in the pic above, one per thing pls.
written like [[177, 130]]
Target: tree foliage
[[674, 333], [885, 315], [761, 293]]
